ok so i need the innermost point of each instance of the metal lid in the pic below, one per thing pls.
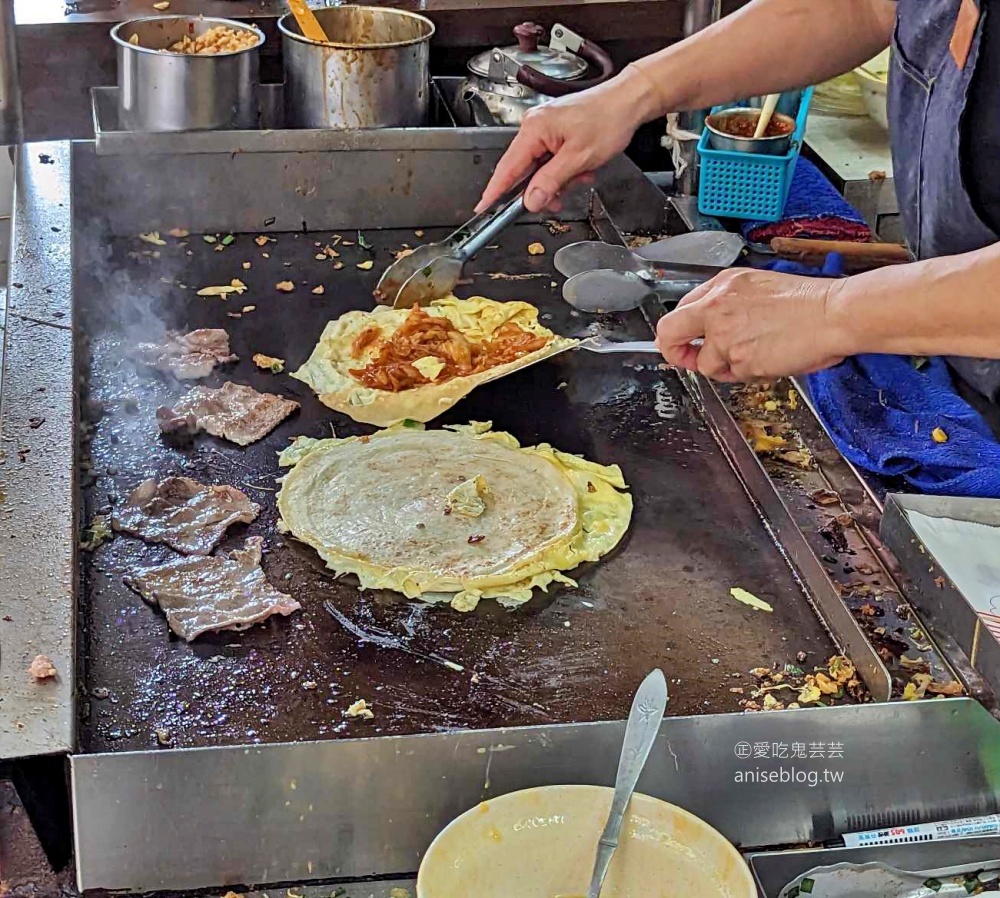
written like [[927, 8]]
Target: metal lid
[[555, 63]]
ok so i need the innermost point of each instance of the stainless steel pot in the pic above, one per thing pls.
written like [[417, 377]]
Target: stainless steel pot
[[509, 81], [720, 139], [162, 91], [373, 73]]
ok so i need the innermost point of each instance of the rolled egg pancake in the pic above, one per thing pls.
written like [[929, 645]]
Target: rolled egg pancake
[[451, 515], [388, 365]]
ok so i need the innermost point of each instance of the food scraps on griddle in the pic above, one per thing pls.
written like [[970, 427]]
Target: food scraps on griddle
[[923, 683], [789, 686], [361, 710], [760, 413], [269, 363], [234, 411], [42, 668], [182, 513], [234, 286], [536, 249], [202, 594], [387, 365], [188, 356], [748, 598], [284, 286], [96, 533], [380, 507]]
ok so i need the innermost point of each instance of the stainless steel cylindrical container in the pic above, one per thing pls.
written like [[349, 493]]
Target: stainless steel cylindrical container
[[720, 137], [164, 91], [373, 73]]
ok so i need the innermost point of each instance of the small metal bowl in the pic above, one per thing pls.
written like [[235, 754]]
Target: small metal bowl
[[720, 139]]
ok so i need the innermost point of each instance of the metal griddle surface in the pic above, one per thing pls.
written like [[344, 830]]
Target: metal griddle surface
[[573, 655]]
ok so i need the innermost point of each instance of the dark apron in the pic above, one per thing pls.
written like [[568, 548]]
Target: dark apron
[[927, 98]]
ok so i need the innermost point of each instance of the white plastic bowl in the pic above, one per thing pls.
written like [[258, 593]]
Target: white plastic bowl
[[873, 77], [541, 843]]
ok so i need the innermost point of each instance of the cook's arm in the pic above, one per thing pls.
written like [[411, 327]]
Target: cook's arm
[[758, 325], [765, 47], [944, 306]]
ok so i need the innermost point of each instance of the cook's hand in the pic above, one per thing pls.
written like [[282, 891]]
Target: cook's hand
[[581, 131], [756, 325]]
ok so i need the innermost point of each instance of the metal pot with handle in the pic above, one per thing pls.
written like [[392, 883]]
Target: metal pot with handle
[[511, 80]]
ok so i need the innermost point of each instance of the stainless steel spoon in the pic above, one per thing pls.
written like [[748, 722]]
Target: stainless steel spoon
[[643, 725], [608, 290]]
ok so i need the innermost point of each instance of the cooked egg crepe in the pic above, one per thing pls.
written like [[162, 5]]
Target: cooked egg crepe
[[389, 365], [452, 515]]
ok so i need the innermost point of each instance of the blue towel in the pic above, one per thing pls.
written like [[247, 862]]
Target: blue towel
[[882, 409], [814, 208]]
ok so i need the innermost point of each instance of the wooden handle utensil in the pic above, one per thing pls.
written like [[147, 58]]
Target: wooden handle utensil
[[307, 20], [856, 255], [766, 111]]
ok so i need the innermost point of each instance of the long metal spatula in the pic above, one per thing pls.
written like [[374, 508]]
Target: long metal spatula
[[603, 345], [643, 725]]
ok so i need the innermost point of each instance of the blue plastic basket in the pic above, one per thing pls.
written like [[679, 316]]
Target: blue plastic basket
[[749, 185]]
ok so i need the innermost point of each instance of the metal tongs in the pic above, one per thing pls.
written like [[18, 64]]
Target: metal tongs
[[434, 270]]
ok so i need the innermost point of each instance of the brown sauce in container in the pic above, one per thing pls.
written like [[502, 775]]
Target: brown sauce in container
[[744, 126]]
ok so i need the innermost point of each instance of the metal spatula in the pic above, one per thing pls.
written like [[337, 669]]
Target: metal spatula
[[603, 345], [714, 249]]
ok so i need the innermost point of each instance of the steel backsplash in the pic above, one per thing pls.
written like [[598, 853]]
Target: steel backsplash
[[184, 819]]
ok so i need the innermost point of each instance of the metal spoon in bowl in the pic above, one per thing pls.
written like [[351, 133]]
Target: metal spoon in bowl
[[643, 725]]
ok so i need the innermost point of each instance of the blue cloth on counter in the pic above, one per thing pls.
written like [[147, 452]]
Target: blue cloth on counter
[[814, 208], [881, 410]]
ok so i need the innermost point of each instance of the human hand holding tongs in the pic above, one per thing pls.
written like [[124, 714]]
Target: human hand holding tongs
[[435, 269]]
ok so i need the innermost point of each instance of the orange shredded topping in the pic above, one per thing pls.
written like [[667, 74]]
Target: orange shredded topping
[[422, 335]]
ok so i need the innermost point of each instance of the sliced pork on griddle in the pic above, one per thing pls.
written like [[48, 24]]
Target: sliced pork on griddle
[[218, 592], [188, 356], [188, 516], [234, 412]]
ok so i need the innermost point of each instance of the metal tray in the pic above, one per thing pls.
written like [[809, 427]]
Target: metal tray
[[774, 870]]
